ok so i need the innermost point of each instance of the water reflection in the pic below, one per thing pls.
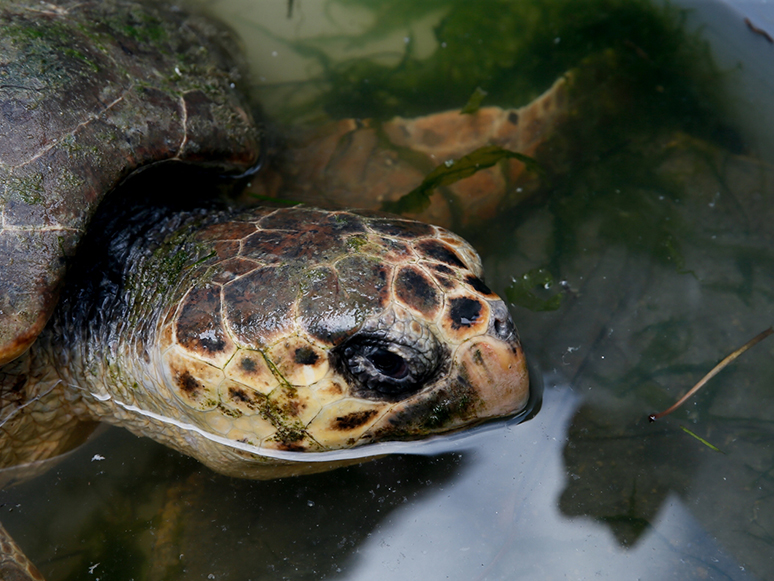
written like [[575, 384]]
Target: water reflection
[[500, 520]]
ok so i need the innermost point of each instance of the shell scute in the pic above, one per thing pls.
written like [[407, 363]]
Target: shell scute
[[233, 268], [194, 382], [298, 361], [366, 281], [439, 252], [259, 305], [325, 311], [416, 290], [249, 370], [199, 326], [465, 316], [397, 228]]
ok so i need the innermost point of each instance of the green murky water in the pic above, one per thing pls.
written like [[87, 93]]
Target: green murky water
[[645, 258]]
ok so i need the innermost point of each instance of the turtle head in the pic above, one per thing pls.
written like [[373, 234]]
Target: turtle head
[[311, 330]]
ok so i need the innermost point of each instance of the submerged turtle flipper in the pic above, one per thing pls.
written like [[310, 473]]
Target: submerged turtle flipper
[[14, 566]]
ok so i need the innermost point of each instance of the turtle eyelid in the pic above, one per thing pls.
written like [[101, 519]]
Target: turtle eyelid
[[384, 369]]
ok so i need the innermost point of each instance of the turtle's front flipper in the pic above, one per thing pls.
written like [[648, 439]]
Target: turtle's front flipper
[[14, 565]]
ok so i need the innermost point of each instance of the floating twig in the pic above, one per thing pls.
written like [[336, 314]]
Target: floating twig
[[758, 31], [715, 370]]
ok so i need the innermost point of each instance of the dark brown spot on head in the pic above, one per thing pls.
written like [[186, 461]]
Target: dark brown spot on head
[[464, 312], [513, 118], [248, 364], [352, 420], [241, 396], [415, 290], [293, 407], [317, 243], [345, 223], [225, 249], [401, 228], [442, 269], [199, 326], [303, 234], [306, 356], [436, 250], [291, 219], [391, 249], [478, 285], [188, 384]]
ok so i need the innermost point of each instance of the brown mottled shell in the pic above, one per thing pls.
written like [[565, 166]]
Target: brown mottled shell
[[90, 90]]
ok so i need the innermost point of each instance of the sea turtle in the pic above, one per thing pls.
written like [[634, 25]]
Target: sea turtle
[[232, 335]]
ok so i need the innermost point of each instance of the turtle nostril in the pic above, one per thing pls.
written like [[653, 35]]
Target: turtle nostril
[[502, 328], [501, 325]]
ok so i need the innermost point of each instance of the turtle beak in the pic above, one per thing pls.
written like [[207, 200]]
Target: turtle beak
[[496, 371]]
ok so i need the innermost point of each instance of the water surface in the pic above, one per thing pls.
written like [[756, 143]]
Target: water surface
[[646, 257]]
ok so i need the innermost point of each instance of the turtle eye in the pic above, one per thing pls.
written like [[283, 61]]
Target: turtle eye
[[388, 363], [383, 369]]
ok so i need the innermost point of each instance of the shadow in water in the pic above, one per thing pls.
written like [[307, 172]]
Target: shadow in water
[[144, 512], [621, 472]]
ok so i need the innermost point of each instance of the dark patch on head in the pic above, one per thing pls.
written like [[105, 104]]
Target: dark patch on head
[[346, 223], [513, 118], [306, 356], [199, 326], [334, 305], [266, 247], [442, 269], [365, 282], [478, 285], [292, 407], [188, 384], [436, 250], [305, 242], [291, 218], [401, 228], [237, 394], [258, 305], [226, 231], [415, 290], [248, 365], [352, 420], [302, 219], [394, 248], [464, 312], [443, 275], [454, 404]]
